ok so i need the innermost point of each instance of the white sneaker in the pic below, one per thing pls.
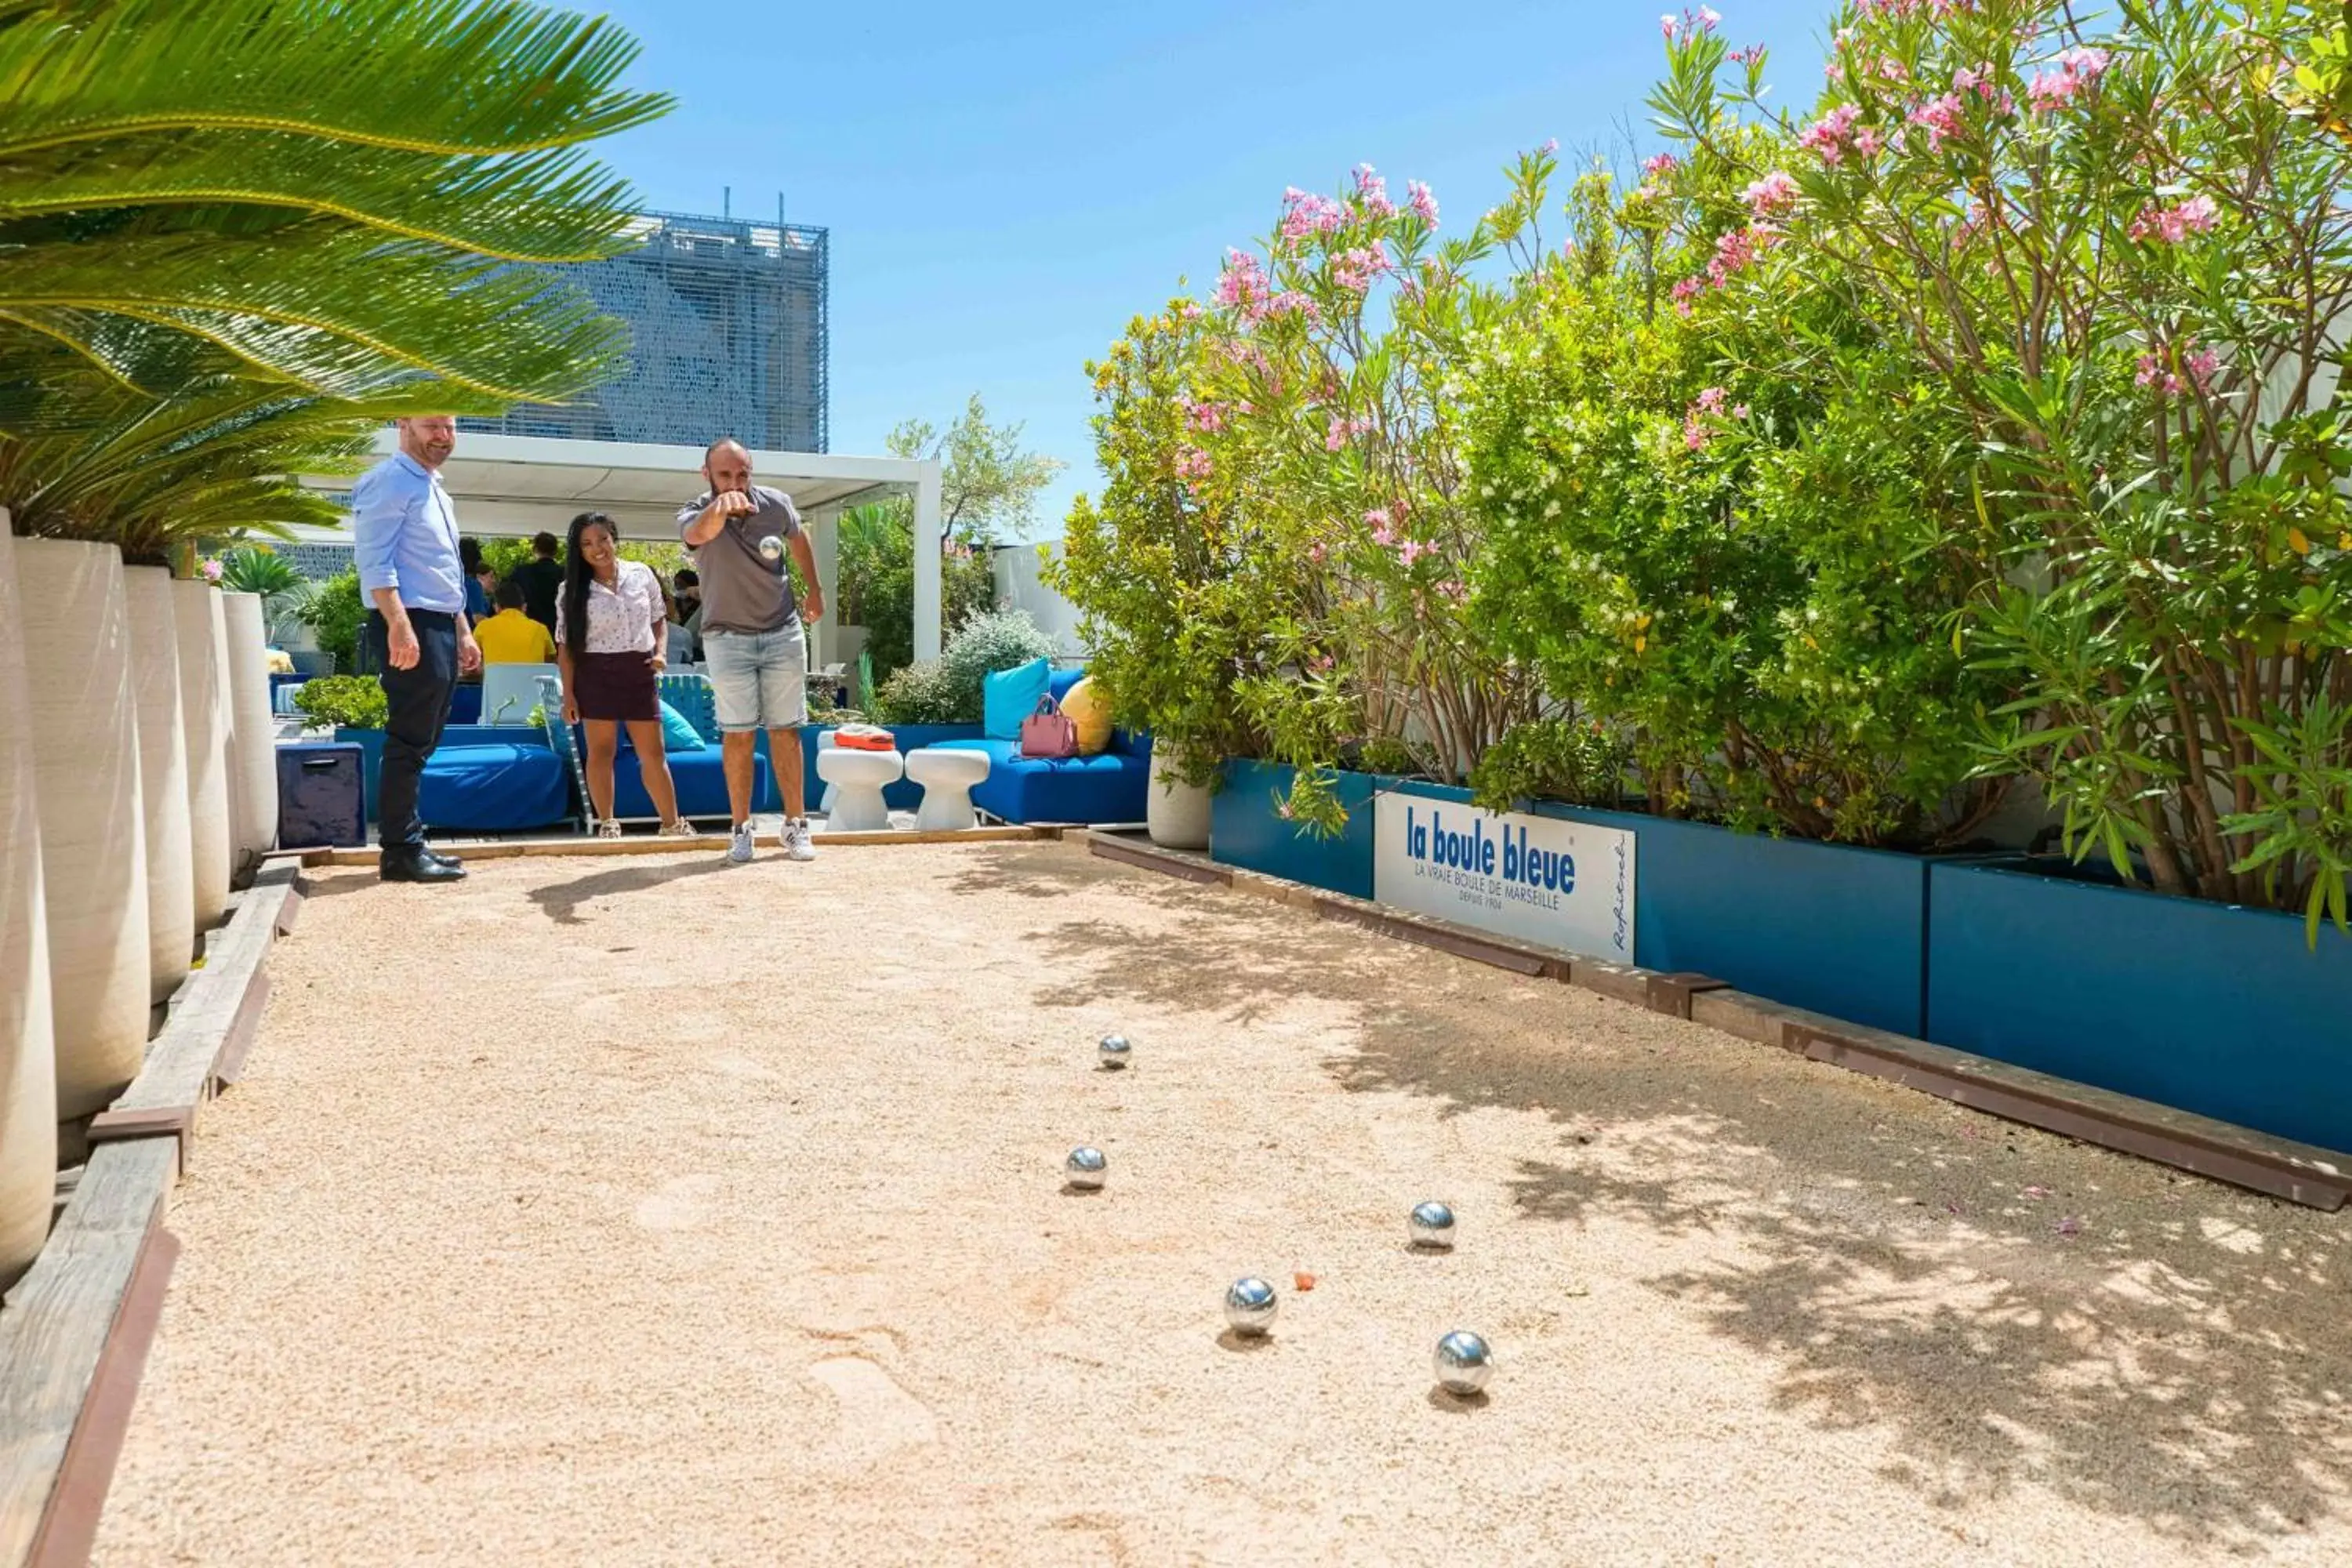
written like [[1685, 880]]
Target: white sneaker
[[681, 828], [608, 828], [798, 845], [738, 847]]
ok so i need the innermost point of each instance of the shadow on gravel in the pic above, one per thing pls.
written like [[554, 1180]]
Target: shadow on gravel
[[2173, 1360]]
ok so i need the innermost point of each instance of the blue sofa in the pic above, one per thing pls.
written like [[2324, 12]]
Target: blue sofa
[[700, 777], [1111, 787], [478, 780]]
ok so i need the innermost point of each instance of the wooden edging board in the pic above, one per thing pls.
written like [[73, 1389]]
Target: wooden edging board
[[74, 1331], [2280, 1167], [710, 842]]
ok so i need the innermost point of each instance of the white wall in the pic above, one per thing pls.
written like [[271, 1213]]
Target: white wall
[[1018, 588]]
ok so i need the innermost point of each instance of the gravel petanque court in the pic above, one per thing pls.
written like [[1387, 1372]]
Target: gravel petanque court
[[640, 1210]]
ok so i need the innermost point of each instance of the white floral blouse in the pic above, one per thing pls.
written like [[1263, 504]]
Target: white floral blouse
[[621, 618]]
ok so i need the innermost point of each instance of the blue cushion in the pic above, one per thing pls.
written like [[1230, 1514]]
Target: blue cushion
[[700, 780], [1009, 696], [494, 787], [677, 733], [1064, 680], [1111, 787]]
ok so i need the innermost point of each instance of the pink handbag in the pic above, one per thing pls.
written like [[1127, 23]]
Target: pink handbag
[[1049, 731]]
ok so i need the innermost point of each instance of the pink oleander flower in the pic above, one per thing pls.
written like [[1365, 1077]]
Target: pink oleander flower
[[1690, 26], [1315, 553], [1188, 312], [1551, 144], [1891, 69], [2200, 364], [1354, 270], [1711, 400], [1413, 550], [1342, 431], [1695, 434], [1749, 56], [1423, 204], [2170, 225], [1832, 136], [2075, 70], [1243, 282], [1774, 194], [1320, 663], [1942, 120], [1456, 591], [1663, 164], [1191, 463], [1739, 412], [1735, 249], [212, 571], [1208, 416], [1291, 301], [1374, 192], [1689, 289]]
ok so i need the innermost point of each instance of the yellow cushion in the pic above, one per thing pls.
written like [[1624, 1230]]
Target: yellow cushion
[[1090, 711]]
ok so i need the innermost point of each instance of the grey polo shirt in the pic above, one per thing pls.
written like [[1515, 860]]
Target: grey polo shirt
[[743, 591]]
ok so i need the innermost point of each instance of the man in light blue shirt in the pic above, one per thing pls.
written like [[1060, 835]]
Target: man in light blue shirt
[[404, 536]]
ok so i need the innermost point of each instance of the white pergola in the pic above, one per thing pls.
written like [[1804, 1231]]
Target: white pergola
[[516, 485]]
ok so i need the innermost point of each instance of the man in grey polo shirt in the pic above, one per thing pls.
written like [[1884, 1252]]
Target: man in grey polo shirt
[[752, 640]]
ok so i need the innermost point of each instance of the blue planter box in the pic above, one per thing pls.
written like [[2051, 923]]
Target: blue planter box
[[1245, 831], [2222, 1010], [904, 795], [1826, 927]]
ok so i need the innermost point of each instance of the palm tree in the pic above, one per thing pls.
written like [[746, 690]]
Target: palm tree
[[331, 194]]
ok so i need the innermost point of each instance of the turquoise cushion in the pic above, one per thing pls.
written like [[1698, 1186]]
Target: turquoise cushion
[[1010, 696], [678, 734]]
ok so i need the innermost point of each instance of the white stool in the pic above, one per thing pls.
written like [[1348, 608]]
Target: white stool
[[947, 774], [858, 779], [825, 742]]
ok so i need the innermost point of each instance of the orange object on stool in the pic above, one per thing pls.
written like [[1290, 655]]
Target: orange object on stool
[[864, 738]]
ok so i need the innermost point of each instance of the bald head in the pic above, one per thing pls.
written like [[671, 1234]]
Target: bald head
[[725, 466]]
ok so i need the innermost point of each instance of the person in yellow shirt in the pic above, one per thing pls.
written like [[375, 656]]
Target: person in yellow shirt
[[511, 637]]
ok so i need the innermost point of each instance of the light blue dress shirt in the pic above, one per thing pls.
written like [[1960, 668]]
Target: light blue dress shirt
[[405, 535]]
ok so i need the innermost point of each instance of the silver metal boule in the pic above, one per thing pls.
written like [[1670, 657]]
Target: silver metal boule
[[1464, 1362], [772, 547], [1250, 1305], [1086, 1166], [1114, 1051], [1432, 1225]]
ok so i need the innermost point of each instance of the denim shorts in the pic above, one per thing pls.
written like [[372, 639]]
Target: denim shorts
[[758, 680]]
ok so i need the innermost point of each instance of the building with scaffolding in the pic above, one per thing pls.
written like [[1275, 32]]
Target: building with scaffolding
[[729, 323]]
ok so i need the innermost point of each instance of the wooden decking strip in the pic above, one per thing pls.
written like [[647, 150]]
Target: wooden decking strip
[[74, 1333], [711, 842], [2279, 1167]]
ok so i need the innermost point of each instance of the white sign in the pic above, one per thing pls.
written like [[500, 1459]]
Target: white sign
[[1566, 885]]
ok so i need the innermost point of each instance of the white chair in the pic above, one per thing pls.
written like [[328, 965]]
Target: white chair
[[825, 742], [510, 692], [858, 779], [947, 774]]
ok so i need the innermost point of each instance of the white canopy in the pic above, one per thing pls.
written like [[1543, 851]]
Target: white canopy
[[522, 485]]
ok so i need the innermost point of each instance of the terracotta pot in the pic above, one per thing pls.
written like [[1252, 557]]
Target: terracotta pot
[[204, 718], [93, 838], [29, 1084], [163, 776]]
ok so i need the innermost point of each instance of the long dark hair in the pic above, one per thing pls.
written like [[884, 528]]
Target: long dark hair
[[577, 575]]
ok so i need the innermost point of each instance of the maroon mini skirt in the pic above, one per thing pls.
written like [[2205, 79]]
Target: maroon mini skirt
[[614, 686]]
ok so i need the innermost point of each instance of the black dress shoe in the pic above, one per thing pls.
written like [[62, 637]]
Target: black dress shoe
[[437, 857], [417, 865]]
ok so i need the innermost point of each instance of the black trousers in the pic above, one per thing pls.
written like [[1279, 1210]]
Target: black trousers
[[419, 700]]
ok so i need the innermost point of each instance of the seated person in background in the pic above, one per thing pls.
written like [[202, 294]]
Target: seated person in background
[[511, 637], [684, 645]]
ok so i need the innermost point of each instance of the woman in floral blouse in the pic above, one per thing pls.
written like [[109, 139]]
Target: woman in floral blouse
[[609, 669]]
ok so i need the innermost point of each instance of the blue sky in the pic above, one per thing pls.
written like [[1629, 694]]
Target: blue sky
[[1006, 187]]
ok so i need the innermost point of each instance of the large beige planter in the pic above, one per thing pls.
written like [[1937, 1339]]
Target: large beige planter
[[28, 1083], [204, 718], [93, 838], [1176, 813], [163, 777], [234, 774], [256, 751]]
